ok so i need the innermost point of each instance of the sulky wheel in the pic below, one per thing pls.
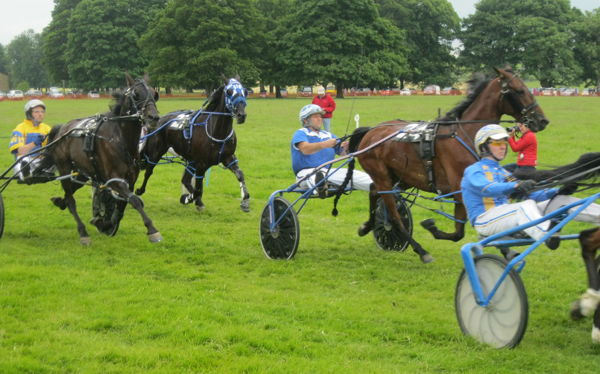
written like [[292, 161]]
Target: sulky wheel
[[282, 242], [385, 233], [502, 323], [1, 216]]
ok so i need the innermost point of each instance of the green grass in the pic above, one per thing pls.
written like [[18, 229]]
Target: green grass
[[207, 300]]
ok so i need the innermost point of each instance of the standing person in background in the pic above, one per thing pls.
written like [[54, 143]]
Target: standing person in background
[[526, 146], [325, 101]]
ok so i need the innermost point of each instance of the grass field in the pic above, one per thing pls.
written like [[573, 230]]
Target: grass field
[[207, 300]]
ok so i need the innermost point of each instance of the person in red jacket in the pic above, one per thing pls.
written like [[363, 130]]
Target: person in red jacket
[[325, 101], [526, 146]]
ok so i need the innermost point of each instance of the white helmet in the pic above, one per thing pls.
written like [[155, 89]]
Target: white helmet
[[33, 103], [309, 110], [494, 132]]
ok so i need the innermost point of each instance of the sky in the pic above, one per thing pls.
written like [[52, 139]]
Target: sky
[[17, 16]]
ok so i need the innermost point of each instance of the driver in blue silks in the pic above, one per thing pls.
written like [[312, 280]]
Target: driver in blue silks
[[311, 146], [486, 187]]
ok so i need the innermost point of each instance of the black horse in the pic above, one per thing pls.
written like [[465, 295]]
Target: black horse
[[582, 174], [103, 151], [202, 138]]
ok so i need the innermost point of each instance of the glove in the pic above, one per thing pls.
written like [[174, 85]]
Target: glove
[[568, 189], [524, 187]]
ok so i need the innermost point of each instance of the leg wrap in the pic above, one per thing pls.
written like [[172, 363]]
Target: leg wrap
[[589, 302]]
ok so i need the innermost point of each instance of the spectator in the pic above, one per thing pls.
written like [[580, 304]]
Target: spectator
[[325, 101], [526, 147], [311, 146]]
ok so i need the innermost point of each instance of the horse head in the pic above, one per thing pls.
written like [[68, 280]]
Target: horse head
[[141, 99], [519, 102], [235, 99]]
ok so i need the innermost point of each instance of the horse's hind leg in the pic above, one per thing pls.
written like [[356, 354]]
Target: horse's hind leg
[[69, 202], [232, 164], [147, 175], [459, 233], [195, 188], [589, 302]]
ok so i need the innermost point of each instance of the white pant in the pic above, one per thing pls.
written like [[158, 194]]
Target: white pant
[[32, 162], [508, 216], [360, 179]]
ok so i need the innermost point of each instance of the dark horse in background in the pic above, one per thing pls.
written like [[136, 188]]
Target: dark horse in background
[[103, 150], [580, 173], [202, 138], [400, 163]]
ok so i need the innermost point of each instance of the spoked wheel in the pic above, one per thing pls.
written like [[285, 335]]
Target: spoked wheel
[[1, 216], [385, 233], [106, 211], [502, 323], [282, 242]]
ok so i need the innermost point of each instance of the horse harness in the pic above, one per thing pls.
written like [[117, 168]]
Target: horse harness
[[424, 136]]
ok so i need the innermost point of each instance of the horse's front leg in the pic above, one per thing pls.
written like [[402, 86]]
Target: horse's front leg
[[367, 226], [136, 202], [147, 175], [68, 201], [460, 215], [232, 164], [590, 300]]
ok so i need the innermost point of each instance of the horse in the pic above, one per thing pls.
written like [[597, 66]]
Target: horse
[[202, 138], [103, 150], [440, 170], [585, 168]]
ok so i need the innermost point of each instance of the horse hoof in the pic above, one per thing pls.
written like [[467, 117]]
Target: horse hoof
[[245, 206], [427, 258], [185, 199], [428, 224], [200, 208], [139, 192], [595, 335], [59, 202], [85, 240], [155, 238], [364, 229], [576, 314]]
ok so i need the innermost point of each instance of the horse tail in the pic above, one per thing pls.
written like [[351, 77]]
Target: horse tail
[[342, 188], [356, 137]]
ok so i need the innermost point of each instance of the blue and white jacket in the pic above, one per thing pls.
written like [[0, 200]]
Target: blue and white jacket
[[485, 185]]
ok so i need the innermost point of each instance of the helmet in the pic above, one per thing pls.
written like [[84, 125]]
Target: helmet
[[309, 110], [33, 103], [495, 132]]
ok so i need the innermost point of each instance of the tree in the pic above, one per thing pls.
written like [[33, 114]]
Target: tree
[[195, 42], [587, 46], [534, 35], [102, 41], [341, 41], [55, 37], [430, 27], [24, 58], [3, 61]]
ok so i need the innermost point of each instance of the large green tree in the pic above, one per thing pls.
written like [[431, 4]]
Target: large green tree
[[3, 61], [24, 57], [341, 41], [532, 34], [193, 43], [587, 47], [55, 37], [102, 41], [430, 27]]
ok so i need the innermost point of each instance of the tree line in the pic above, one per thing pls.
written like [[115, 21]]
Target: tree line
[[190, 44]]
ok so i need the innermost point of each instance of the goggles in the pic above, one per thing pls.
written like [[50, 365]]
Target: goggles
[[498, 142]]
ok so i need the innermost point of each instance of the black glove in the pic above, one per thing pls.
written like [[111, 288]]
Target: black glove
[[568, 189], [524, 187]]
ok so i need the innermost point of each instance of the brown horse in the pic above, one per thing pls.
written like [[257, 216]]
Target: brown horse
[[202, 138], [395, 162], [103, 151]]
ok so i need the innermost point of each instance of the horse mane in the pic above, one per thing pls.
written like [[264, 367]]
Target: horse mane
[[214, 99], [475, 86], [117, 104], [587, 161]]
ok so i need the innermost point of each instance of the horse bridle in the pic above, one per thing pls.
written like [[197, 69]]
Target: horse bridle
[[524, 111], [237, 96], [139, 106]]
